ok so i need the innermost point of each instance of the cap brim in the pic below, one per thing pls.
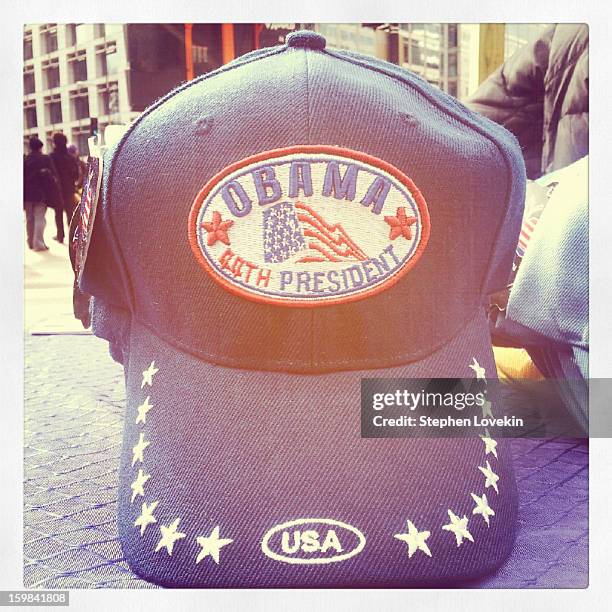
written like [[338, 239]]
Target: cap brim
[[233, 458]]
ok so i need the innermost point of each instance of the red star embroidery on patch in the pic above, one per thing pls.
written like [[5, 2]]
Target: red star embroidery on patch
[[400, 224], [217, 229]]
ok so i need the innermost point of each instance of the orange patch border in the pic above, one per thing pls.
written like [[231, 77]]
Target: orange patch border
[[309, 149]]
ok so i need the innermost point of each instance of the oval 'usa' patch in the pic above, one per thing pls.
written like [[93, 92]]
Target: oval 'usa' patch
[[308, 226]]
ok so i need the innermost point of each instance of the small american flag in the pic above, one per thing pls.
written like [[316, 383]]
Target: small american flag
[[289, 229], [89, 192], [525, 235]]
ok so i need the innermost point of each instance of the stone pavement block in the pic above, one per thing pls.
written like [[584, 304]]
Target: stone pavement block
[[84, 536], [109, 549], [73, 560], [104, 572], [43, 548], [62, 581], [127, 582], [34, 573]]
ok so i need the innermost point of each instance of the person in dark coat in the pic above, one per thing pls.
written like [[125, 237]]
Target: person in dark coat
[[541, 95], [39, 180], [68, 172]]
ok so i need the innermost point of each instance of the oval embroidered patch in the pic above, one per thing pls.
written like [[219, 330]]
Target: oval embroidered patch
[[308, 226], [311, 541]]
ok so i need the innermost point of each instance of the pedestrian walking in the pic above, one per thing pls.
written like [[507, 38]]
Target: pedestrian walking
[[68, 173], [39, 175]]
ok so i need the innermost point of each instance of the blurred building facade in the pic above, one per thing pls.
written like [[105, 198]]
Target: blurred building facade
[[81, 77], [355, 37], [73, 72]]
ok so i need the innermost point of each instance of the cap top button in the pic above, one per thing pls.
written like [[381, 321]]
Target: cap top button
[[306, 39]]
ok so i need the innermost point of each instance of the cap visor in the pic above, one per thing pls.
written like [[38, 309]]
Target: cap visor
[[241, 478]]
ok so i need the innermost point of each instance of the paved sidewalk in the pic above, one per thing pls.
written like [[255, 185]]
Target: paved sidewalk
[[48, 287]]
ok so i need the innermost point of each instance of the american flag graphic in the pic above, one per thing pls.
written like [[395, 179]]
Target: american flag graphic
[[89, 189], [86, 209], [525, 235], [289, 229]]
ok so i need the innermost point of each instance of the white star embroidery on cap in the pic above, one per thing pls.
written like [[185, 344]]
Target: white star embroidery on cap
[[486, 409], [169, 536], [146, 516], [138, 485], [211, 545], [482, 507], [458, 526], [142, 411], [478, 369], [138, 450], [415, 539], [491, 477], [490, 444], [147, 375]]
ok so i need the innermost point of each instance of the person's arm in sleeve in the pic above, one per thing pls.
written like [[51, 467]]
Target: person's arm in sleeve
[[513, 96]]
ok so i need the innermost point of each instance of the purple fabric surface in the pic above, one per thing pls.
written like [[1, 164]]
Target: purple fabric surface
[[73, 428]]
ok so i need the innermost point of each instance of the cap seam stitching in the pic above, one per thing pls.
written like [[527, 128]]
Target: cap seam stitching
[[312, 314]]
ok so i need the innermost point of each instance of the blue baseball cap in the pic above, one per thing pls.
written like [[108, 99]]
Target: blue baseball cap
[[268, 235], [548, 306]]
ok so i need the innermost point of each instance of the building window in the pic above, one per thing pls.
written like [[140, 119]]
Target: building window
[[53, 108], [79, 138], [108, 97], [29, 84], [406, 53], [49, 39], [29, 110], [28, 52], [79, 100], [200, 54], [452, 88], [452, 35], [77, 66], [51, 73], [108, 62], [452, 65], [99, 30], [433, 61], [71, 35], [101, 61], [416, 53]]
